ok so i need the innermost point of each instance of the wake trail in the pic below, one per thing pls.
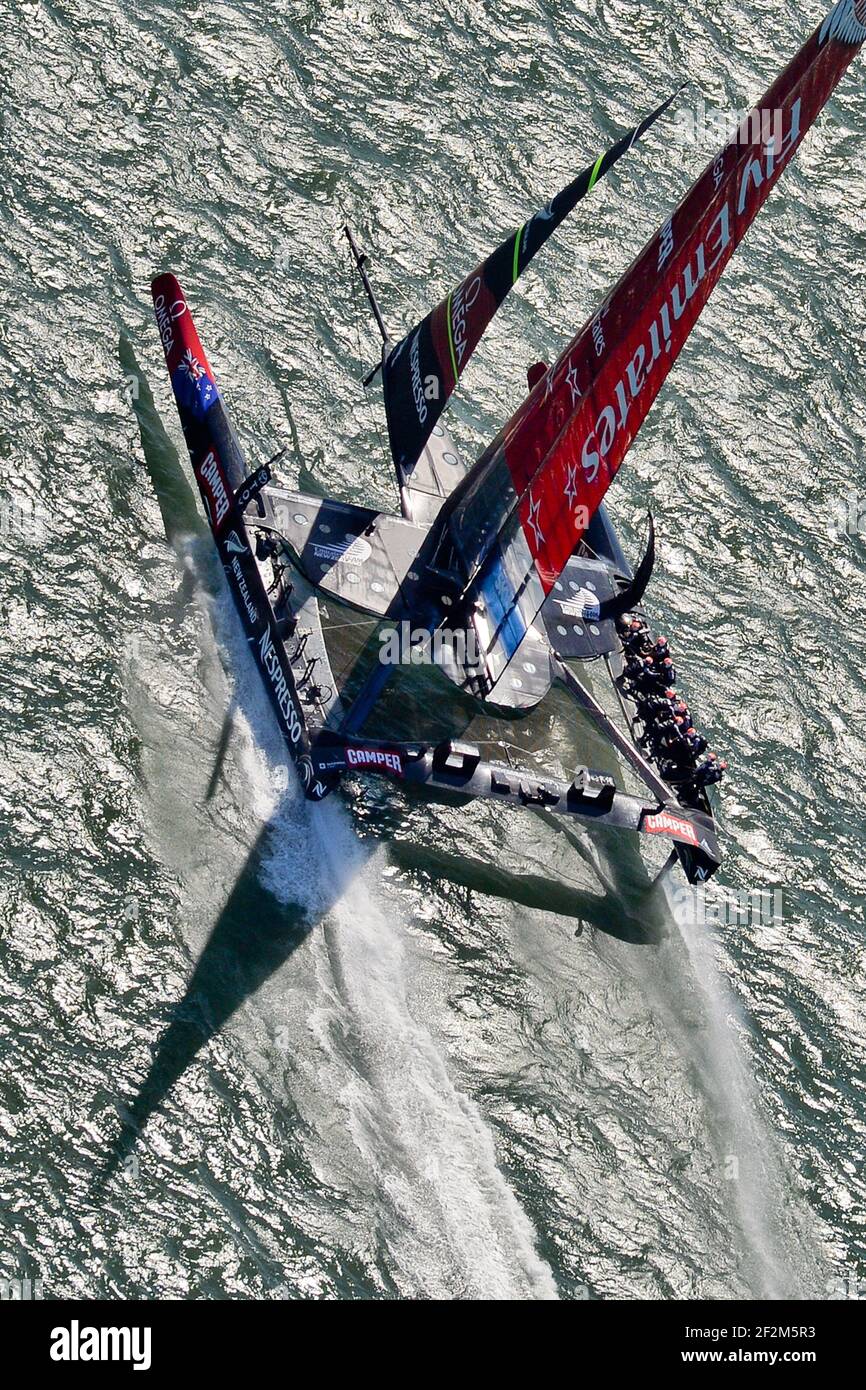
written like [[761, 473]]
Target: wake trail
[[443, 1210], [760, 1198], [455, 1225], [442, 1207]]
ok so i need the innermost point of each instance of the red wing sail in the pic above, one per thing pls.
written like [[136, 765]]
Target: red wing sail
[[528, 501], [421, 372]]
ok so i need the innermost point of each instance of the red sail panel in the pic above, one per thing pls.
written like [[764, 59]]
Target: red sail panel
[[552, 464]]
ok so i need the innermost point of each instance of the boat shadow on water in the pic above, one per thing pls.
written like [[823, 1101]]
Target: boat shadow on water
[[528, 890], [252, 938], [256, 933]]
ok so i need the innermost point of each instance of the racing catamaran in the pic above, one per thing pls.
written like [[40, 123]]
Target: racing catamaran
[[507, 573]]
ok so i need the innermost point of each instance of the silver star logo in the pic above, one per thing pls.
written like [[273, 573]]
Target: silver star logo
[[533, 522], [571, 378], [571, 484]]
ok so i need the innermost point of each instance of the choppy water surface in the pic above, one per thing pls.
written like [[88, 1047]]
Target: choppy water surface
[[257, 1050]]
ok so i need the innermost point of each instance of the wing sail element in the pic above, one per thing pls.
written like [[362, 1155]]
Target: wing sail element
[[631, 595], [420, 373], [218, 466], [529, 499]]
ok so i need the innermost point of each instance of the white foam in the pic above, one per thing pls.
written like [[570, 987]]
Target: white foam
[[453, 1225]]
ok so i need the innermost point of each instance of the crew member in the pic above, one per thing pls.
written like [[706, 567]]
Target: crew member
[[667, 671], [654, 734], [633, 669], [677, 745], [648, 680], [674, 771], [696, 741], [704, 775], [638, 639], [713, 770], [653, 707]]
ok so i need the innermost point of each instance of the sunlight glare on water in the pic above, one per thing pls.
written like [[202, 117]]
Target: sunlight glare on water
[[358, 1050]]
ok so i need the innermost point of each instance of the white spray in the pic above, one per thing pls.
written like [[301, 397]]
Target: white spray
[[450, 1222], [751, 1164]]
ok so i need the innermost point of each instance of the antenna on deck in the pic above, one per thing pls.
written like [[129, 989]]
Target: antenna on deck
[[360, 262]]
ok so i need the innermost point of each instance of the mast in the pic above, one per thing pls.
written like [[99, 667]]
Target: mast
[[361, 263]]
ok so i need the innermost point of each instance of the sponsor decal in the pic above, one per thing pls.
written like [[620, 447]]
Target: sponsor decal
[[417, 383], [210, 475], [315, 789], [234, 545], [533, 521], [166, 317], [190, 365], [353, 548], [193, 393], [375, 758], [585, 606], [845, 22], [573, 380], [252, 486], [461, 303], [707, 256], [664, 823], [252, 611], [270, 661], [666, 244], [598, 341]]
